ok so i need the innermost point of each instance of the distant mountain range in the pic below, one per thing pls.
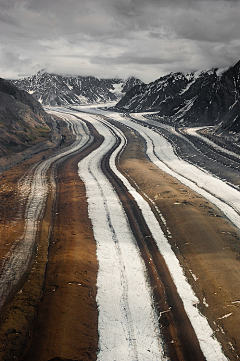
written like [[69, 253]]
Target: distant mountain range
[[22, 119], [202, 98], [57, 90]]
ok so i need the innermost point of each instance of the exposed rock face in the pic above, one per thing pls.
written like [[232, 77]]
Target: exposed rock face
[[202, 98], [146, 97], [57, 90], [130, 83], [22, 119], [230, 119]]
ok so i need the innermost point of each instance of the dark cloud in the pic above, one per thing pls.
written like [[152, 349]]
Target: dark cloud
[[102, 37], [214, 23], [6, 4], [131, 59], [8, 20]]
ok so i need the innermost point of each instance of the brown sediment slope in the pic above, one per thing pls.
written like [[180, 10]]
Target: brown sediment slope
[[203, 239], [205, 242], [20, 310], [66, 324]]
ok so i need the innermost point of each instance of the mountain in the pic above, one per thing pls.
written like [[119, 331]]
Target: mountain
[[57, 90], [129, 84], [22, 119], [145, 97], [230, 119], [201, 98]]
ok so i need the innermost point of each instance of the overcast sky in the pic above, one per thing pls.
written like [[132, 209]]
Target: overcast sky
[[108, 38]]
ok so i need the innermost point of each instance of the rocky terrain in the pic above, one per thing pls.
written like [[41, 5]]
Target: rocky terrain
[[52, 313], [57, 90], [23, 121], [201, 98], [64, 324]]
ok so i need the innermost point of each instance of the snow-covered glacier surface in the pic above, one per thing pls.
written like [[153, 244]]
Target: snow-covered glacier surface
[[127, 325], [209, 345]]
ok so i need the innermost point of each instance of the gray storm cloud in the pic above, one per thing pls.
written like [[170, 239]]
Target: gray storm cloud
[[117, 37]]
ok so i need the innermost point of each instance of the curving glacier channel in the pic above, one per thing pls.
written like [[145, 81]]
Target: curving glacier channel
[[117, 254], [20, 256], [127, 324]]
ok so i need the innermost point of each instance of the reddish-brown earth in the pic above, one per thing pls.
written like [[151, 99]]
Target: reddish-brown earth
[[205, 242], [66, 324]]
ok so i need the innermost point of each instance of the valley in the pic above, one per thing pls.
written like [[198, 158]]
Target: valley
[[136, 227], [119, 180]]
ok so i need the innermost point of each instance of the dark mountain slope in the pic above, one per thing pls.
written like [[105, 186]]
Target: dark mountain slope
[[130, 83], [201, 98], [146, 97], [230, 120], [22, 119]]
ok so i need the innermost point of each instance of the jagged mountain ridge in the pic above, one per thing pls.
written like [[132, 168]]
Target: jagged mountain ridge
[[57, 90], [202, 98], [22, 119], [146, 97]]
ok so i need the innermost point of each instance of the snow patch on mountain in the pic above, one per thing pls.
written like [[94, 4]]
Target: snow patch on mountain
[[205, 97], [58, 90]]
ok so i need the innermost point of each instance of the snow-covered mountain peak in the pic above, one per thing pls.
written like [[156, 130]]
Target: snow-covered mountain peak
[[205, 97], [53, 89]]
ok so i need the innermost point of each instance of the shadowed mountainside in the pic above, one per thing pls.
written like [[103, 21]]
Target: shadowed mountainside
[[201, 98], [23, 122]]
